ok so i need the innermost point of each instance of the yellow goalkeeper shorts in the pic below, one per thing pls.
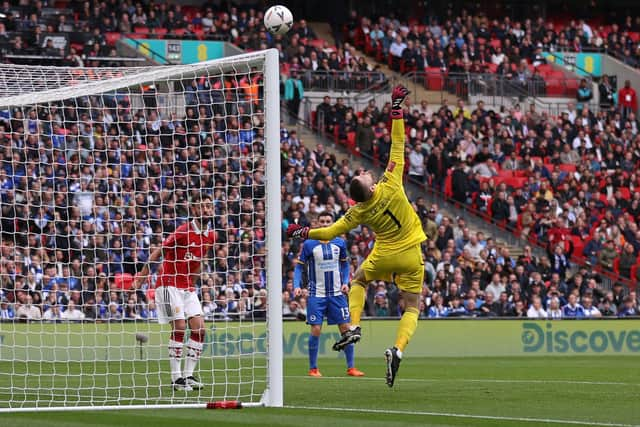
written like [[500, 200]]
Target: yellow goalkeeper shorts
[[406, 268]]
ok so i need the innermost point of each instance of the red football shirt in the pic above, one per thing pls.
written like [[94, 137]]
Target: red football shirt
[[183, 253]]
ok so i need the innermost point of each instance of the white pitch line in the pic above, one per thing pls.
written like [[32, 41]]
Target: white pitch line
[[476, 380], [468, 416]]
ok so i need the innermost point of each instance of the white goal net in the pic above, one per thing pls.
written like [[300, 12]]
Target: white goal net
[[97, 167]]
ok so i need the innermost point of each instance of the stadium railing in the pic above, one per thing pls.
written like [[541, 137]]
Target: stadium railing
[[338, 80], [60, 60], [462, 84]]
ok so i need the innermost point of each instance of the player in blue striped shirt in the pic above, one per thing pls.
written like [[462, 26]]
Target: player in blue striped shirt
[[327, 269]]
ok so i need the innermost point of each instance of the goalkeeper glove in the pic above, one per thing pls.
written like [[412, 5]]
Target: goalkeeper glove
[[397, 98], [297, 231]]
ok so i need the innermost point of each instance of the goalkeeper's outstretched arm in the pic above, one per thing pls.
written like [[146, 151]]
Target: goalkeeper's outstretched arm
[[338, 228], [396, 156]]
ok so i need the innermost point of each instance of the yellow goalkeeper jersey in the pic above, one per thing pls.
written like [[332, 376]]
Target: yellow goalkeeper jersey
[[388, 213]]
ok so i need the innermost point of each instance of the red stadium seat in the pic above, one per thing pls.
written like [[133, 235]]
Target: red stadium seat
[[351, 142], [569, 168], [379, 54], [358, 39], [123, 281], [572, 87], [489, 209], [316, 43], [557, 74], [368, 47], [545, 68], [112, 38], [578, 245], [448, 186], [625, 193], [137, 36], [434, 79], [554, 87], [141, 30], [515, 182], [160, 32]]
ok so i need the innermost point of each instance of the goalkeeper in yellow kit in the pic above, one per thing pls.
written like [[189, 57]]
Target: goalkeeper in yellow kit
[[397, 255]]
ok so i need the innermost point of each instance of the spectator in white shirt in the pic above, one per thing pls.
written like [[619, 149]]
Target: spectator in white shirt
[[554, 311], [581, 139], [208, 306], [72, 314], [28, 311], [152, 311], [571, 112], [416, 163], [52, 313], [495, 287], [113, 312], [425, 109], [589, 309], [588, 32], [474, 248], [498, 56], [395, 49], [536, 311]]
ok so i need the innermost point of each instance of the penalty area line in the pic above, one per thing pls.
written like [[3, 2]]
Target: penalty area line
[[467, 416], [476, 380]]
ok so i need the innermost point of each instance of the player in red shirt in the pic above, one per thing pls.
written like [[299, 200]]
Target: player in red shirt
[[182, 254]]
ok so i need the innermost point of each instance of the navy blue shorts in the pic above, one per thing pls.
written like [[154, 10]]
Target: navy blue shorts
[[335, 308]]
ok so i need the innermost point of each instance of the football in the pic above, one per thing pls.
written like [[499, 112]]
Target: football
[[278, 20]]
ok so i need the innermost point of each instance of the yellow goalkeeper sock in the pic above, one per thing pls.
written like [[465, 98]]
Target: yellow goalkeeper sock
[[408, 325], [357, 295]]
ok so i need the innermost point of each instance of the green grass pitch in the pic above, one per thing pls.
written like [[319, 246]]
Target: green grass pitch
[[517, 391]]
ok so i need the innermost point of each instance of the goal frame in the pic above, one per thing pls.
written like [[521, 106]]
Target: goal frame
[[273, 394]]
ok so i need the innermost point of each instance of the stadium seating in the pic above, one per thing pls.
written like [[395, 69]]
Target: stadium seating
[[525, 177]]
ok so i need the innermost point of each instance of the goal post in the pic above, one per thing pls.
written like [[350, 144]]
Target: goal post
[[97, 166]]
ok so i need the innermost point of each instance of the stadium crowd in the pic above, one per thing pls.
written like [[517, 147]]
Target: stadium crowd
[[568, 183], [92, 27], [460, 41], [90, 187], [474, 42]]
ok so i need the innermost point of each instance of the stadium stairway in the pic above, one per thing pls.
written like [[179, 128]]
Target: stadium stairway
[[418, 91], [310, 139]]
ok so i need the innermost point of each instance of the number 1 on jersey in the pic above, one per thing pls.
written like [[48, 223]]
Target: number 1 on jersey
[[393, 217]]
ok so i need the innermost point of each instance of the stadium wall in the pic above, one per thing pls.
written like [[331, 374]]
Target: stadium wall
[[613, 67], [88, 342], [580, 63], [180, 51]]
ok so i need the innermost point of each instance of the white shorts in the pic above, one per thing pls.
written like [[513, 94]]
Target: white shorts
[[176, 304]]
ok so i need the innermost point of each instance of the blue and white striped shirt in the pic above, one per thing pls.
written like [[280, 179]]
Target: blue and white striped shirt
[[326, 266]]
